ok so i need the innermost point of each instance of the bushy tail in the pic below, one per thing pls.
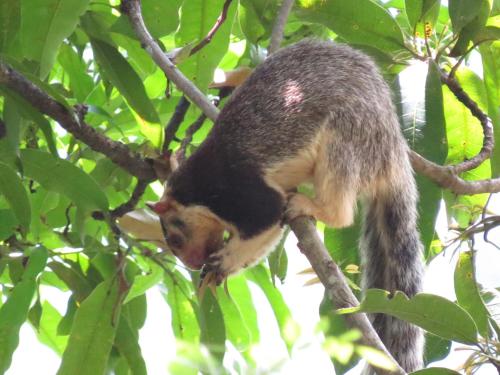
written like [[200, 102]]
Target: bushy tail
[[392, 252]]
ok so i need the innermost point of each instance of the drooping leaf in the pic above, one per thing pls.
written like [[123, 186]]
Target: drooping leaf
[[431, 312], [432, 146], [45, 24], [436, 371], [63, 177], [213, 331], [126, 341], [257, 18], [14, 311], [467, 292], [359, 22], [278, 260], [93, 332], [10, 21], [80, 82], [282, 314], [28, 112], [11, 187], [436, 348], [184, 322], [47, 331], [161, 18], [490, 55], [144, 282], [73, 278], [236, 330], [124, 78], [469, 30], [336, 327], [462, 12], [422, 12]]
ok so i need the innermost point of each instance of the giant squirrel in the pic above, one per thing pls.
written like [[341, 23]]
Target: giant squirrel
[[315, 112]]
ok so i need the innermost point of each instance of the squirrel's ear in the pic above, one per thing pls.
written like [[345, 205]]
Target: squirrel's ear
[[159, 207]]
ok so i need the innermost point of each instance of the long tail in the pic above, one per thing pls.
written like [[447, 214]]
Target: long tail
[[392, 253]]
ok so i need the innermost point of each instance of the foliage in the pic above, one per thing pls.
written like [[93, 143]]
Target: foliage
[[58, 195]]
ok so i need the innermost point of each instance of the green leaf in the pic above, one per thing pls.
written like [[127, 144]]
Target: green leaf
[[197, 18], [435, 371], [436, 348], [336, 327], [79, 81], [47, 331], [184, 322], [421, 12], [282, 314], [124, 78], [73, 278], [465, 140], [278, 260], [144, 282], [463, 12], [469, 31], [433, 146], [430, 312], [14, 311], [490, 55], [212, 326], [11, 187], [342, 244], [9, 224], [10, 20], [63, 177], [93, 332], [359, 22], [161, 18], [127, 343], [45, 24], [257, 18], [30, 113], [467, 292]]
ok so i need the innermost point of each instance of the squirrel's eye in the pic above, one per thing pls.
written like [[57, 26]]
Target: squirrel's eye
[[175, 241]]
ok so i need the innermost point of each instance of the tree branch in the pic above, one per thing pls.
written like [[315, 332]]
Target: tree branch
[[132, 9], [118, 152], [335, 285], [279, 26], [213, 30], [446, 177]]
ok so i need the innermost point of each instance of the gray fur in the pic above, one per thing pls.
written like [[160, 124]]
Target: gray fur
[[301, 91]]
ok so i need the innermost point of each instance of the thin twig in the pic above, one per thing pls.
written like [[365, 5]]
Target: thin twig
[[218, 23], [193, 128], [279, 26], [128, 206], [488, 140], [175, 122], [132, 8]]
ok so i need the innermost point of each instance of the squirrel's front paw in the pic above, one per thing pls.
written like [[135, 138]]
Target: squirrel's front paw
[[213, 271], [297, 205]]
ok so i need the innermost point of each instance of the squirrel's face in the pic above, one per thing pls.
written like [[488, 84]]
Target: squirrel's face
[[192, 232]]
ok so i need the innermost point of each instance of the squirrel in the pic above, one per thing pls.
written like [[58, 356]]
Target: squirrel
[[317, 112]]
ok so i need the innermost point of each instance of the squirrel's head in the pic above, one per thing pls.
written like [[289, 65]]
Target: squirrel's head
[[192, 232]]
